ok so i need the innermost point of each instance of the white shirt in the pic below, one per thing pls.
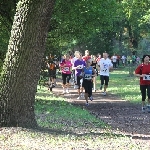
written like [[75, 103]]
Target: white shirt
[[105, 64], [114, 59]]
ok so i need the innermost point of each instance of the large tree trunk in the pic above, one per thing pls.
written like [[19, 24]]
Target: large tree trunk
[[22, 64]]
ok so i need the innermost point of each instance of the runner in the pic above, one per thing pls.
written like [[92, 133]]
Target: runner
[[114, 61], [98, 57], [52, 72], [76, 54], [87, 56], [78, 66], [88, 74], [143, 71], [105, 65], [94, 65], [66, 73]]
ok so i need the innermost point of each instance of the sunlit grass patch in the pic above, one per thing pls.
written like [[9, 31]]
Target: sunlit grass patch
[[21, 138], [55, 113], [124, 86]]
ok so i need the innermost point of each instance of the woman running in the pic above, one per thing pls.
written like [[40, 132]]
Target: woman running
[[88, 74], [94, 65], [65, 66], [78, 66], [143, 71]]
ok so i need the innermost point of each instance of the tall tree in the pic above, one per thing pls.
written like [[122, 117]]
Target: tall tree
[[22, 63]]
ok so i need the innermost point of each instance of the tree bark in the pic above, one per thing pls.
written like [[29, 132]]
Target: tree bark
[[21, 69]]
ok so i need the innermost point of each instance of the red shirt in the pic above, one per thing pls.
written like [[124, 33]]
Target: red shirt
[[85, 58], [143, 69], [98, 59]]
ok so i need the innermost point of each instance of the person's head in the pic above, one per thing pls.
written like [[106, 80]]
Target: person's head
[[76, 54], [88, 62], [99, 55], [67, 56], [86, 52], [94, 57], [146, 58], [105, 55]]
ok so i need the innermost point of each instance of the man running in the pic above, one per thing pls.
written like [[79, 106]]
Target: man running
[[88, 74], [105, 65]]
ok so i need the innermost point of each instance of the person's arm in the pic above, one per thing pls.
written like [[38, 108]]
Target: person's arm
[[110, 66], [138, 72], [94, 72]]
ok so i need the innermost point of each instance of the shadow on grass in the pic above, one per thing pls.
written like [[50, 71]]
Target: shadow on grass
[[118, 114]]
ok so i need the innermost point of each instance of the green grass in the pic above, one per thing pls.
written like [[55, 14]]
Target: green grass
[[125, 86], [56, 113]]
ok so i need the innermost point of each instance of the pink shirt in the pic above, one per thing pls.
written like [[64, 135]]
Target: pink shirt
[[67, 67]]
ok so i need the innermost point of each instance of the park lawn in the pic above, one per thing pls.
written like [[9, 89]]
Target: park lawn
[[65, 126], [125, 86]]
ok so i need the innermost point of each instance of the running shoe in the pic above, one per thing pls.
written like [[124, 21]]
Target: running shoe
[[87, 104], [64, 91], [67, 91], [76, 86], [53, 85], [148, 108], [143, 109], [104, 93], [79, 97], [82, 95], [91, 98]]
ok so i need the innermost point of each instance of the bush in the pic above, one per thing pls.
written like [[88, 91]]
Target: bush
[[1, 65]]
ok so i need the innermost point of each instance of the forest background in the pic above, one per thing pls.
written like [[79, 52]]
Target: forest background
[[115, 26]]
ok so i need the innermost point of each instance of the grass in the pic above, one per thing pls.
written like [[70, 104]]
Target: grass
[[59, 114]]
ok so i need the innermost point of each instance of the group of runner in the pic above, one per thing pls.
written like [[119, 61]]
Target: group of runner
[[84, 70]]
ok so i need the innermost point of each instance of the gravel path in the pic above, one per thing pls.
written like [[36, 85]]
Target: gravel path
[[124, 118]]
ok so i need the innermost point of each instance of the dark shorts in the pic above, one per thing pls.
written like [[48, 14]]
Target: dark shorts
[[78, 82], [66, 78], [104, 79], [87, 84], [52, 73]]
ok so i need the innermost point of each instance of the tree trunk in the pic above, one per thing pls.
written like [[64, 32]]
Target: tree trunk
[[22, 63]]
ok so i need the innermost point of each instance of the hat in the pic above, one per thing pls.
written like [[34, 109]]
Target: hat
[[144, 57]]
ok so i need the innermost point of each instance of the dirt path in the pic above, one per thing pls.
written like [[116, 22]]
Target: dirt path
[[124, 117]]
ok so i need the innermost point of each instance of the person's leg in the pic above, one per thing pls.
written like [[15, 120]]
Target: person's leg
[[86, 98], [85, 85], [115, 64], [94, 83], [64, 82], [67, 85], [81, 88], [143, 94], [102, 81], [78, 84], [90, 90], [106, 79], [148, 100]]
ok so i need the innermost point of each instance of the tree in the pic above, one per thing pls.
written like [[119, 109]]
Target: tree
[[21, 68]]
